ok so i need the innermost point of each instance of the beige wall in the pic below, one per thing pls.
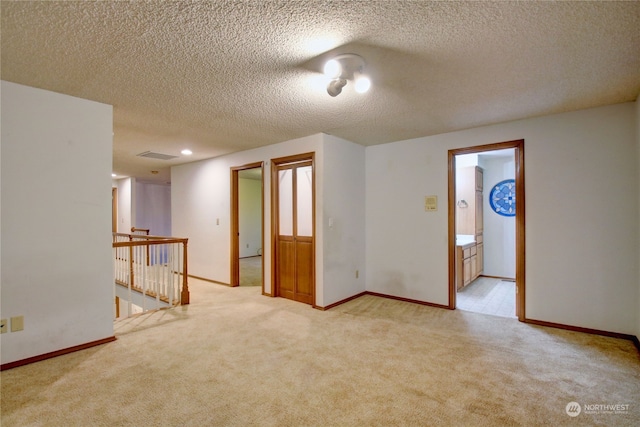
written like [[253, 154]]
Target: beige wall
[[57, 267], [250, 216], [638, 202], [126, 204], [581, 216], [582, 247], [201, 206], [201, 212]]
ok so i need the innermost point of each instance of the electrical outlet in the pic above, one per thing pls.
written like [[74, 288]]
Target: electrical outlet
[[3, 326], [357, 273], [17, 323]]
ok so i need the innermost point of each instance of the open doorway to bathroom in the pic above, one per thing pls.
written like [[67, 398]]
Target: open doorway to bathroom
[[486, 249], [247, 267]]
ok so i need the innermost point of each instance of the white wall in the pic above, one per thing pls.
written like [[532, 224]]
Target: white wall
[[201, 211], [153, 208], [57, 269], [582, 226], [638, 201], [466, 160], [406, 247], [344, 219], [499, 231], [201, 199], [126, 204], [250, 216]]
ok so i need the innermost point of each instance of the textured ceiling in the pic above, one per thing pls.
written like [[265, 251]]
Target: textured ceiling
[[224, 76]]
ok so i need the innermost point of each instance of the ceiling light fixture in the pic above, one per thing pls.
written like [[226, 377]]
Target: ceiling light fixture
[[341, 68], [187, 152]]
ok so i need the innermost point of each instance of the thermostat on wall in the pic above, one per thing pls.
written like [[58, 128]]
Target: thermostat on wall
[[430, 203]]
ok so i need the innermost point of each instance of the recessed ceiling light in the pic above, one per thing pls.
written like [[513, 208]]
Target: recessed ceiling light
[[113, 175], [187, 152]]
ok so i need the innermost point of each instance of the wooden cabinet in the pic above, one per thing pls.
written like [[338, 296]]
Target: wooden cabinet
[[479, 255], [478, 214], [469, 215], [466, 272], [463, 266], [468, 266], [469, 221], [479, 178]]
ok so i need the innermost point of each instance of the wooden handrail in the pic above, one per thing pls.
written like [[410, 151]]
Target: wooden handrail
[[144, 230], [149, 242], [144, 237]]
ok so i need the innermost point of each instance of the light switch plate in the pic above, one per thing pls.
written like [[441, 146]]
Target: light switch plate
[[17, 323], [430, 203]]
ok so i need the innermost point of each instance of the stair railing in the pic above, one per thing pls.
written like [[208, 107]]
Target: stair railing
[[151, 268], [144, 232]]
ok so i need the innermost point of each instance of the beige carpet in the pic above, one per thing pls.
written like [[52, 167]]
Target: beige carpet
[[236, 358], [251, 271]]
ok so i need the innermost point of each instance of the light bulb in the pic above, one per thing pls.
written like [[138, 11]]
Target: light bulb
[[362, 84], [332, 69]]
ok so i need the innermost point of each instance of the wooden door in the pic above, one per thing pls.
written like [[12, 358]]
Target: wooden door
[[114, 209], [294, 237]]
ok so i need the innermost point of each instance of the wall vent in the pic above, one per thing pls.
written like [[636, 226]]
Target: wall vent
[[159, 156]]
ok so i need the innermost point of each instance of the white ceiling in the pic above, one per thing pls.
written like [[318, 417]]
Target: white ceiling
[[224, 76]]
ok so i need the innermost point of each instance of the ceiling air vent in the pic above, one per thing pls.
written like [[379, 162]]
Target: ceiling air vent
[[160, 156]]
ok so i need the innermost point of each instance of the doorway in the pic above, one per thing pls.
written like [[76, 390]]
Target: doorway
[[114, 209], [469, 244], [293, 206], [247, 220]]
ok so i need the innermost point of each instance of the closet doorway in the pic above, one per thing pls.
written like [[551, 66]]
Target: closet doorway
[[247, 224], [477, 279]]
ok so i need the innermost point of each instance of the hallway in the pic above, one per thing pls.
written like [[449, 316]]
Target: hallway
[[251, 271]]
